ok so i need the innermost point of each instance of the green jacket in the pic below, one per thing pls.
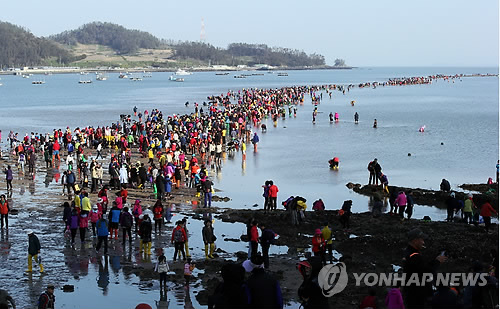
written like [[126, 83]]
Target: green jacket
[[468, 205]]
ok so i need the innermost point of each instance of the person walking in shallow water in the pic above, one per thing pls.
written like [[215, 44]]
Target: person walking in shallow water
[[33, 251], [9, 176]]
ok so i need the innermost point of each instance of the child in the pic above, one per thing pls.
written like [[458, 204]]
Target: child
[[394, 300], [188, 271], [95, 215], [162, 268]]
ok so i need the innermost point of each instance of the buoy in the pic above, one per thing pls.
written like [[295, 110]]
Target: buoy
[[442, 143], [409, 154]]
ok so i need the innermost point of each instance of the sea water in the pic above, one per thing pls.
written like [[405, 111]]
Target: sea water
[[462, 114], [460, 142]]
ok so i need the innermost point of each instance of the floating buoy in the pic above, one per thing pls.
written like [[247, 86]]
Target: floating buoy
[[409, 154], [442, 143]]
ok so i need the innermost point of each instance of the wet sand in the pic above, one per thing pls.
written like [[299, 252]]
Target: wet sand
[[371, 244]]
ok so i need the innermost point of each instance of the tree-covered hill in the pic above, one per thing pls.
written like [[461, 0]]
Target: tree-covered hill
[[249, 54], [19, 47], [122, 40], [125, 47]]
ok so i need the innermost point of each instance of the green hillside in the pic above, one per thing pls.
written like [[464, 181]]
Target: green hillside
[[19, 48]]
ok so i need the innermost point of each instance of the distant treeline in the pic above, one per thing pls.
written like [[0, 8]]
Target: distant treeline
[[248, 54], [120, 39], [19, 47]]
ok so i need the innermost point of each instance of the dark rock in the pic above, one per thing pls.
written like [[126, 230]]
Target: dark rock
[[68, 288], [232, 239]]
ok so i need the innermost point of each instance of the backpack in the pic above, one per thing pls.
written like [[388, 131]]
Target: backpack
[[178, 236], [43, 301]]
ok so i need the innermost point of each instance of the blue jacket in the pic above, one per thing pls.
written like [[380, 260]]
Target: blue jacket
[[102, 227], [70, 178], [168, 185], [114, 215]]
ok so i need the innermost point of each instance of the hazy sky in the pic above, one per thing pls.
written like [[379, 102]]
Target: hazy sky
[[364, 33]]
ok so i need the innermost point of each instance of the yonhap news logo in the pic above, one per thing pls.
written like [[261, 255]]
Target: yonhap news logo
[[332, 279]]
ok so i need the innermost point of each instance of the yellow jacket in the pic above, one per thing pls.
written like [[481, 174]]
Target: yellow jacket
[[327, 235]]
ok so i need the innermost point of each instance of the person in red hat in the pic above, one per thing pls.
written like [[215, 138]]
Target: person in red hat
[[319, 245]]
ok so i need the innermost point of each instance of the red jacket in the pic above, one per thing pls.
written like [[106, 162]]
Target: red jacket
[[486, 210], [318, 244], [273, 191], [158, 212], [4, 208], [183, 232], [254, 234]]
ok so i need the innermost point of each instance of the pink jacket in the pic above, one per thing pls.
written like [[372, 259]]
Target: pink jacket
[[401, 199], [83, 221], [94, 216], [119, 202], [137, 211]]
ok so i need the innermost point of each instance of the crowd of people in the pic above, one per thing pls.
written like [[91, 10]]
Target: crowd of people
[[179, 150]]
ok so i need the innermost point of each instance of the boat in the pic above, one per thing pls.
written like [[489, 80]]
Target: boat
[[86, 81], [175, 79], [257, 74], [38, 82], [225, 73], [26, 76], [239, 76], [101, 77], [84, 73], [146, 74], [182, 72], [123, 75], [283, 74], [135, 79]]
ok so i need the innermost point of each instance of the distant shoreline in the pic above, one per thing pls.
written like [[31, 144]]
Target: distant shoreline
[[137, 70]]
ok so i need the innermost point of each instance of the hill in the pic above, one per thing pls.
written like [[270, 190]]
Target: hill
[[103, 44], [19, 47], [120, 39], [138, 47]]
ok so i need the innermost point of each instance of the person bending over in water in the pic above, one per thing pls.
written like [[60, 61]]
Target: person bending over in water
[[334, 163]]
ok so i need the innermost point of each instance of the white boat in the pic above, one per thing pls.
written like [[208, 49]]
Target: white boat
[[135, 79], [182, 72], [87, 81], [26, 76], [123, 75], [175, 79], [101, 77], [38, 82], [84, 73], [147, 74]]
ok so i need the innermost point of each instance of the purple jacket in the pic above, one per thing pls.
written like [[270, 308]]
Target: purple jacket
[[74, 222], [9, 174]]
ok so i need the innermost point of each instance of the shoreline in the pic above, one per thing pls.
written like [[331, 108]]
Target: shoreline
[[151, 70]]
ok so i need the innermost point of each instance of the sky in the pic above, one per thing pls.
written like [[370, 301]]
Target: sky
[[363, 33]]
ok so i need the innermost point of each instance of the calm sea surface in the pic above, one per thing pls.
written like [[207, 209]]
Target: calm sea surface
[[462, 114]]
